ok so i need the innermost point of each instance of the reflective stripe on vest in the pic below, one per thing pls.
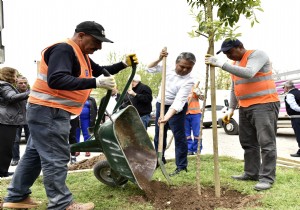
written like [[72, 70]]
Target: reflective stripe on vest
[[71, 101], [259, 89], [48, 97], [194, 106]]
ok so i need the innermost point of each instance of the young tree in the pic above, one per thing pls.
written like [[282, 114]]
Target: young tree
[[228, 13]]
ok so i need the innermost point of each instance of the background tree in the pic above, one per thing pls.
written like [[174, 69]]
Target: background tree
[[223, 80], [228, 13]]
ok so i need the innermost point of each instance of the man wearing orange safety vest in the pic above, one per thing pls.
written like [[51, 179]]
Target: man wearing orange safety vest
[[254, 90], [65, 79], [192, 121]]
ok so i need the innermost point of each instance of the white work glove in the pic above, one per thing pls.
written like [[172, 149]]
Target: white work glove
[[227, 116], [197, 91], [214, 61], [105, 82]]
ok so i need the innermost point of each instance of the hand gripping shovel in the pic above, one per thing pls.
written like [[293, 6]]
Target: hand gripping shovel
[[162, 125]]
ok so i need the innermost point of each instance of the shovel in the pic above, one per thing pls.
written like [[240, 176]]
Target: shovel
[[162, 125]]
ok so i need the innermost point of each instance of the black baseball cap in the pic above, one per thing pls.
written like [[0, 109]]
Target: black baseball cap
[[228, 44], [94, 29]]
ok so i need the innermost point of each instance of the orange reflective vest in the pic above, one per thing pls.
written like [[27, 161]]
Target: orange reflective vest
[[257, 90], [71, 101], [194, 105]]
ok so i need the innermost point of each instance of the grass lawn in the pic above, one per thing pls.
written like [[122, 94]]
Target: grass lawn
[[284, 194]]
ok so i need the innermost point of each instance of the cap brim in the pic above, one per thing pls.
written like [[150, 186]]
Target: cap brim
[[225, 49], [102, 39]]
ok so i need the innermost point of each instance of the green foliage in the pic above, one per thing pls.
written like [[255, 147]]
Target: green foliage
[[223, 80], [86, 188], [228, 14]]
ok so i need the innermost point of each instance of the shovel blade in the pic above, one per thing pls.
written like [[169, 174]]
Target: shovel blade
[[162, 167]]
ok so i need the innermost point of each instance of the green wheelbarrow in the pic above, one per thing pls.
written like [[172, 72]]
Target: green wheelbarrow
[[129, 152]]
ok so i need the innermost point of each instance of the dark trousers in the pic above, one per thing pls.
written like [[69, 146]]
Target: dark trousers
[[257, 133], [72, 136], [176, 124], [8, 134], [16, 147], [296, 127]]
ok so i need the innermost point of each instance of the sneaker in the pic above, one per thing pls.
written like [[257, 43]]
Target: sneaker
[[14, 162], [73, 160], [87, 154], [262, 186], [77, 154], [177, 171], [83, 206], [27, 203]]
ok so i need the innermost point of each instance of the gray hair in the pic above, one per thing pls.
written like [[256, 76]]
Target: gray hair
[[289, 84], [186, 56]]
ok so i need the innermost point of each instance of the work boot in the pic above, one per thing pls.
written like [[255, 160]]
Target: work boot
[[81, 206], [262, 186], [177, 171], [87, 154], [297, 154], [245, 177], [27, 203]]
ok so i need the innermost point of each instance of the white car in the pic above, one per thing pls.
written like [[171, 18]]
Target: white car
[[207, 121], [232, 128]]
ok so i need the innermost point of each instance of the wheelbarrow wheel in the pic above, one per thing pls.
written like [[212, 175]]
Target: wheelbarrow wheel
[[106, 175]]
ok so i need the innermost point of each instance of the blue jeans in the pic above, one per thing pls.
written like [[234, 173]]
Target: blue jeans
[[47, 150], [257, 133], [145, 119], [176, 124]]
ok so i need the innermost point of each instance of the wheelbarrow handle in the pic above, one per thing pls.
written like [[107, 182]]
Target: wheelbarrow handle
[[102, 108], [119, 102]]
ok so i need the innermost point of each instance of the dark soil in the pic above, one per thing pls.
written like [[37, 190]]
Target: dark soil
[[163, 196]]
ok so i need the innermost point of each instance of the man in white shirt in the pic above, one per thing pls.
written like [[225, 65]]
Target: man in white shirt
[[292, 105], [178, 86]]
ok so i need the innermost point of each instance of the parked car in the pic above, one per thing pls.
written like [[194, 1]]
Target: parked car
[[232, 128], [152, 118], [207, 120]]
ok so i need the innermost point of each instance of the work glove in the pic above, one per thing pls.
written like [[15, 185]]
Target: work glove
[[127, 60], [214, 61], [197, 91], [227, 117], [105, 82]]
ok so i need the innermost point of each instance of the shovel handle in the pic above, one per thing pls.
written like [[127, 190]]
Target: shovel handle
[[162, 103]]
